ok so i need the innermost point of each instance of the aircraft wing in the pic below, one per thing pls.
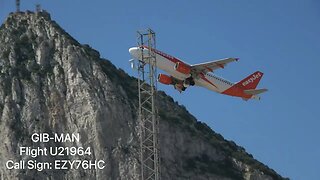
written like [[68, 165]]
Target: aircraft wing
[[212, 65]]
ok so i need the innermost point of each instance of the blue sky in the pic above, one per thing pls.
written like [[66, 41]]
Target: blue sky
[[279, 38]]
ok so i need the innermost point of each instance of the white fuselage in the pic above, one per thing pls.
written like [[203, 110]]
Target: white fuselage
[[167, 64]]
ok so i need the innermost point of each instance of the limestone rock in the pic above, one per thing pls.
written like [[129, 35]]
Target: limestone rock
[[51, 83]]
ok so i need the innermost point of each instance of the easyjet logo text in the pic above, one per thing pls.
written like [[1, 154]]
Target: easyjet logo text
[[251, 79]]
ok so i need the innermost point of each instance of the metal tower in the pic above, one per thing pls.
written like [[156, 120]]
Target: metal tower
[[148, 121], [18, 5], [38, 8]]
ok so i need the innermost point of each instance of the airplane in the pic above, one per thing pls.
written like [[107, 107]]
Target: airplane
[[183, 75]]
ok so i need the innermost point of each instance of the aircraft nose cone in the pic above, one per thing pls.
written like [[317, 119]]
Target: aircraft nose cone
[[133, 51]]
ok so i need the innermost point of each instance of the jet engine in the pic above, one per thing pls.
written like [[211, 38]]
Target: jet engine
[[164, 79], [182, 68]]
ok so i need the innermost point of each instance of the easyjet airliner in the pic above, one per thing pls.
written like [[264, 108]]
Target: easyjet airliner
[[182, 75]]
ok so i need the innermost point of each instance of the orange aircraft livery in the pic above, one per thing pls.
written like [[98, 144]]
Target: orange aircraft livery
[[182, 75]]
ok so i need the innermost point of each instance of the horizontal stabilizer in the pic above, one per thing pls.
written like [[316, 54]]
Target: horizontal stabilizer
[[255, 91]]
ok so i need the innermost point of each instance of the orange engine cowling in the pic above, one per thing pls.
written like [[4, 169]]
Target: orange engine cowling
[[182, 68], [165, 79]]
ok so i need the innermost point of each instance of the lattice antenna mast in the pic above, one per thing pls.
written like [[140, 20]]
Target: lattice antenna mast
[[18, 5], [148, 121], [38, 8]]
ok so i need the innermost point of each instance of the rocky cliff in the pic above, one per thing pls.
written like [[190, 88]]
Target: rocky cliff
[[51, 83]]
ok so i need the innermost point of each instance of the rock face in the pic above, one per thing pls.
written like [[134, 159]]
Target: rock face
[[51, 83]]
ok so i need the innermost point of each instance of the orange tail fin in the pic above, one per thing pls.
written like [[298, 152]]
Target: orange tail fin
[[251, 82]]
